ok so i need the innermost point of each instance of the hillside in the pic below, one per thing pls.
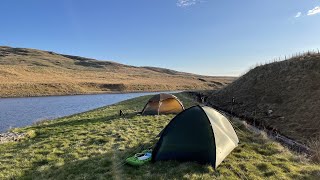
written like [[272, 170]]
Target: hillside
[[94, 145], [30, 72], [290, 88]]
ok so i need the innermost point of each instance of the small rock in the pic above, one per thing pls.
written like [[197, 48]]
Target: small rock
[[10, 137]]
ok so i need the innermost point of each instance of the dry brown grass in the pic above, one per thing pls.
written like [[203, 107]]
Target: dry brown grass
[[315, 146], [28, 72], [291, 89]]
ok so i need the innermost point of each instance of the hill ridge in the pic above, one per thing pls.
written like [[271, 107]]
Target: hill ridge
[[32, 72]]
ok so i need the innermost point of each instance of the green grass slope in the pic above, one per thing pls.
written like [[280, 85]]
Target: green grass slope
[[93, 145], [291, 89]]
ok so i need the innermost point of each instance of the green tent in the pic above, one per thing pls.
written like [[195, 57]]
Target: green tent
[[198, 134]]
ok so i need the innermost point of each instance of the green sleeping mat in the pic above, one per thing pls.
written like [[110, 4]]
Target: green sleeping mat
[[140, 159]]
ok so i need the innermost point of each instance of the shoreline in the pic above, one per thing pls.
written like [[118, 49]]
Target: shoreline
[[8, 131], [97, 93]]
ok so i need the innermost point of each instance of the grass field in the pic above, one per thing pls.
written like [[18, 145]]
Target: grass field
[[93, 144]]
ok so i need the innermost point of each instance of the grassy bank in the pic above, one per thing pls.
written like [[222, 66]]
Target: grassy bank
[[92, 145], [289, 88]]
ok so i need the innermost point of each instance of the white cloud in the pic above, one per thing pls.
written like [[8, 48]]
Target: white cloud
[[314, 11], [186, 3], [298, 15]]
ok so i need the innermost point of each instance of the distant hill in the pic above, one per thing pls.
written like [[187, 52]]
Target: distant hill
[[290, 88], [31, 72]]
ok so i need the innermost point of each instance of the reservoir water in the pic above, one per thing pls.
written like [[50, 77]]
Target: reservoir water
[[19, 112]]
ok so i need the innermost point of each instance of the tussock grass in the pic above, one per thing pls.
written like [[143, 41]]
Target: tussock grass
[[31, 134], [92, 145], [315, 146]]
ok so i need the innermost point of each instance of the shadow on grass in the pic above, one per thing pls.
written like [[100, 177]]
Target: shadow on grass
[[97, 167], [112, 165], [43, 132]]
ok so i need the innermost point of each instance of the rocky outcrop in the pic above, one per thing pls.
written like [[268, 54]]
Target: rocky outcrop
[[11, 137]]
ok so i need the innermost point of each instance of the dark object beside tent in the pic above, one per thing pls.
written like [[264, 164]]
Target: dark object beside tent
[[198, 134], [163, 104]]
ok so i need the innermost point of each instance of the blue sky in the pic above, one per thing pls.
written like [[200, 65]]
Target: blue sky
[[210, 37]]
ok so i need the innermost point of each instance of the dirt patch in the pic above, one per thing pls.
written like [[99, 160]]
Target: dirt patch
[[113, 87]]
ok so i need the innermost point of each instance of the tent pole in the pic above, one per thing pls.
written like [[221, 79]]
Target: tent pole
[[159, 107]]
